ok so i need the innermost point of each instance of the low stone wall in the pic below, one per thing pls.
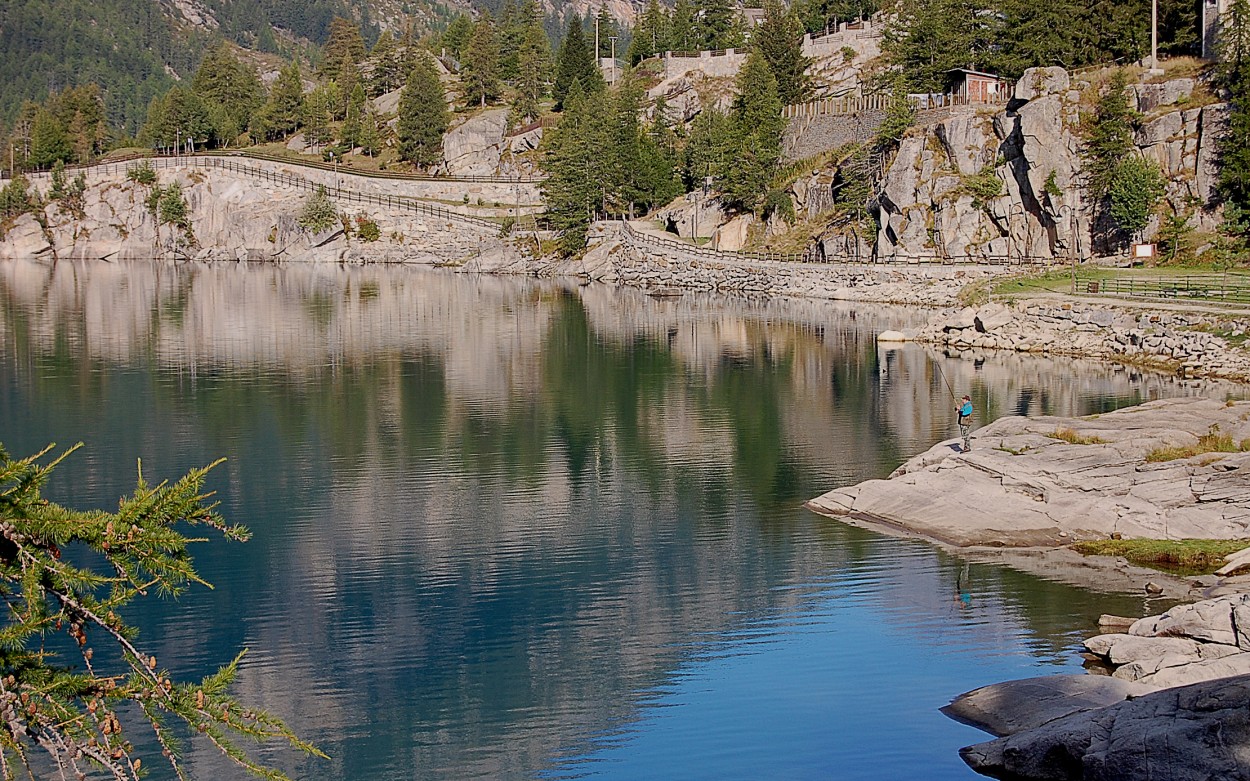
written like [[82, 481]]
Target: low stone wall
[[659, 270], [1160, 339]]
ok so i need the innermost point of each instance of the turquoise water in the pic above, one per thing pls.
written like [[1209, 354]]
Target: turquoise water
[[517, 529]]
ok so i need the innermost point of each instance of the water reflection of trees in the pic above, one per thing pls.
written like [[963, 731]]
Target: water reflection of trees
[[511, 503]]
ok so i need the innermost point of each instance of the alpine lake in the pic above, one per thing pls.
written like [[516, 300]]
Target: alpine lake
[[510, 528]]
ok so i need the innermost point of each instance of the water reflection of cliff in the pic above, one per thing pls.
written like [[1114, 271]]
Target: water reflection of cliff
[[490, 512]]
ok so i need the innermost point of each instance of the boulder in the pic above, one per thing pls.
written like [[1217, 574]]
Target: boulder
[[732, 236], [473, 148], [965, 318], [1167, 93], [1123, 649], [991, 317], [891, 336], [1194, 732], [1015, 706], [1038, 82], [25, 239], [1210, 621], [1205, 670]]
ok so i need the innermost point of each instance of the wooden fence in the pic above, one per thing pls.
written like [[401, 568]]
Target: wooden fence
[[1229, 288], [304, 162], [300, 183]]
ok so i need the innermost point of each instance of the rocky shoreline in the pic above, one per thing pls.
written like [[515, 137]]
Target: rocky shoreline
[[1193, 344], [1167, 699]]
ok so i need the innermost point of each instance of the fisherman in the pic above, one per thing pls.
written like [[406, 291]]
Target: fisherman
[[964, 411]]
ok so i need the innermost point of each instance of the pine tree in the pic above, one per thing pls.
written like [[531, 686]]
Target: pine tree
[[422, 116], [388, 71], [353, 122], [319, 113], [717, 24], [533, 70], [780, 39], [509, 31], [455, 39], [49, 141], [84, 717], [757, 122], [575, 63], [370, 140], [285, 109], [683, 35], [344, 49], [574, 152], [651, 36], [480, 73], [231, 90]]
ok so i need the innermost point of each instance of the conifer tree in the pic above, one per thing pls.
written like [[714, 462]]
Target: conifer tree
[[344, 49], [533, 70], [284, 111], [456, 37], [370, 140], [780, 40], [651, 36], [87, 717], [49, 141], [422, 116], [1234, 146], [575, 62], [509, 31], [481, 64], [573, 157], [757, 123], [319, 112], [231, 91], [717, 24], [387, 61], [353, 122], [683, 35]]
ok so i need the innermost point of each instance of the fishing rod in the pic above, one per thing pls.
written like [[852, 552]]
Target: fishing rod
[[938, 364]]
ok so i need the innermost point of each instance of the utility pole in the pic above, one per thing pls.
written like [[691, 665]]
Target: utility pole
[[612, 38], [596, 41], [1154, 38]]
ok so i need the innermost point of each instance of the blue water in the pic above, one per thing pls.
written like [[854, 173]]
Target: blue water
[[513, 529]]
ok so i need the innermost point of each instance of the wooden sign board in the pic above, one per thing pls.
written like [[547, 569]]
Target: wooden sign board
[[1144, 251]]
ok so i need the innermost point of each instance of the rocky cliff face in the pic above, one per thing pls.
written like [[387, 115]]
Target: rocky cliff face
[[938, 195], [231, 218]]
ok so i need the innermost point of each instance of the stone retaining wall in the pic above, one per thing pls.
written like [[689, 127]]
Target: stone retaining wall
[[1162, 339], [807, 136]]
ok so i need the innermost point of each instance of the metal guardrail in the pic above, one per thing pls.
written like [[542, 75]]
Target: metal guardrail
[[317, 164], [299, 182], [1232, 287]]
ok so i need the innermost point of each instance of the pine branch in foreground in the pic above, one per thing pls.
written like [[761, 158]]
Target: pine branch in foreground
[[71, 712]]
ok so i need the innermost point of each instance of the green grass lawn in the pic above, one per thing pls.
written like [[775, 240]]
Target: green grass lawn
[[1182, 557]]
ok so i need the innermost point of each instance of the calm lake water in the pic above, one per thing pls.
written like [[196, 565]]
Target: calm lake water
[[519, 529]]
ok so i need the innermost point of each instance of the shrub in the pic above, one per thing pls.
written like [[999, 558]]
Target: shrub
[[143, 173], [1211, 442], [16, 198], [367, 229], [984, 186], [1136, 187], [318, 213]]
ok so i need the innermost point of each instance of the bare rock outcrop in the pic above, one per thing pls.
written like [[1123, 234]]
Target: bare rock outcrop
[[1049, 481], [1200, 731], [938, 197]]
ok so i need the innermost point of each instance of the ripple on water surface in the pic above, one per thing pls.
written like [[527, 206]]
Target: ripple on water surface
[[507, 529]]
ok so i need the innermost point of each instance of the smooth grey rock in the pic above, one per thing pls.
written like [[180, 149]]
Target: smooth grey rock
[[1015, 706], [1210, 621], [1204, 670], [1122, 649], [1036, 82], [1191, 733]]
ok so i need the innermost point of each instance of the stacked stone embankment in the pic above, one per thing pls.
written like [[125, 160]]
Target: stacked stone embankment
[[1194, 344]]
